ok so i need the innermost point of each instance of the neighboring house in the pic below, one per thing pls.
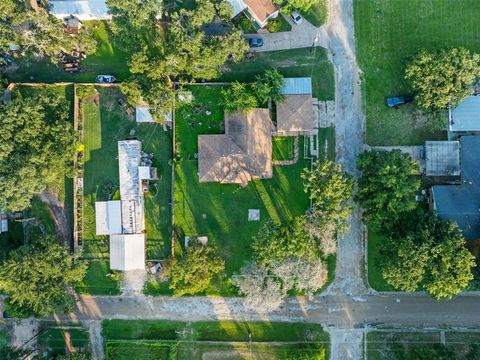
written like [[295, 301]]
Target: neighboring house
[[243, 153], [461, 203], [260, 11], [81, 9], [124, 219], [466, 116], [442, 158], [295, 113]]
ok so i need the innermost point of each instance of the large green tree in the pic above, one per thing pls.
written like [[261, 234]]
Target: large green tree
[[269, 85], [193, 272], [426, 251], [37, 144], [442, 79], [40, 277], [38, 34], [388, 184], [238, 97], [289, 5]]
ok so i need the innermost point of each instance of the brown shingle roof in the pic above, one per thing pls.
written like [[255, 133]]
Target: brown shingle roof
[[261, 8], [242, 153], [295, 114]]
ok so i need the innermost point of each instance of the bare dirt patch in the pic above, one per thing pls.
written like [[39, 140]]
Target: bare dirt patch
[[60, 216]]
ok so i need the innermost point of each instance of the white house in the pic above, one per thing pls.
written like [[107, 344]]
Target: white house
[[259, 10]]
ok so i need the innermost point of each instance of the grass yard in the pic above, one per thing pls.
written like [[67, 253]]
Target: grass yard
[[156, 339], [291, 63], [283, 148], [375, 278], [284, 25], [105, 123], [385, 345], [317, 15], [220, 211], [108, 59], [99, 280], [54, 339], [388, 34], [327, 143]]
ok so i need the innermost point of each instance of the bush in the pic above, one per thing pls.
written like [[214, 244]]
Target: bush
[[274, 25]]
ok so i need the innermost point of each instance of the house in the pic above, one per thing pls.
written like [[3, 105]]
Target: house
[[81, 9], [260, 11], [72, 25], [466, 116], [461, 202], [124, 219], [243, 153], [295, 113]]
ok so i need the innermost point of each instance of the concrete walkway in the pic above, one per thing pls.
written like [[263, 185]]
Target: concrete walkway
[[301, 36]]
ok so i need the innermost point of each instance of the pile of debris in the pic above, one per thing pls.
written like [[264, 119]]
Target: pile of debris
[[71, 62]]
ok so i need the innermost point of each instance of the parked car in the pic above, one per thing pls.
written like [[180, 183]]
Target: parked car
[[255, 42], [105, 79], [296, 17], [398, 100]]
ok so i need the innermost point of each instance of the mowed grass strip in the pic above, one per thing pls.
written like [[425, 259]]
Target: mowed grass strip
[[388, 34], [283, 147], [307, 62]]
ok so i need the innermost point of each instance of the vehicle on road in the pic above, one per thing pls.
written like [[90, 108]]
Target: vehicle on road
[[255, 42], [105, 79], [296, 17], [395, 101]]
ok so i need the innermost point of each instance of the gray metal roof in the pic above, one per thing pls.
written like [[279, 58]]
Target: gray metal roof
[[461, 203], [297, 86], [442, 158], [466, 116]]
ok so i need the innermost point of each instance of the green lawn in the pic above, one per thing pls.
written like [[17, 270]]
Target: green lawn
[[283, 147], [220, 211], [326, 142], [284, 24], [291, 63], [99, 280], [317, 15], [105, 123], [146, 339], [385, 345], [375, 278], [53, 339], [388, 34], [108, 59]]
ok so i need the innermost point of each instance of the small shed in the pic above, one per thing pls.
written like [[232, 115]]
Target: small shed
[[108, 217], [143, 115], [297, 86], [3, 223], [127, 252], [442, 158], [466, 116]]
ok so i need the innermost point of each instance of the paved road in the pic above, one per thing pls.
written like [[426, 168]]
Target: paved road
[[339, 312]]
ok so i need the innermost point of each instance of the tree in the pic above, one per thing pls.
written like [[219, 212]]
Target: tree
[[238, 97], [37, 146], [330, 190], [74, 356], [40, 277], [425, 250], [8, 353], [263, 292], [276, 242], [289, 5], [388, 184], [269, 85], [304, 276], [193, 272], [443, 78]]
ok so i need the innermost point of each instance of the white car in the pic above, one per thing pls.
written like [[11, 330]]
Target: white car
[[296, 17], [105, 79]]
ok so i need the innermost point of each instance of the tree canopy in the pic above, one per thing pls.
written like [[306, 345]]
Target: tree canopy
[[289, 5], [443, 78], [38, 34], [238, 97], [426, 251], [269, 85], [39, 277], [193, 272], [37, 146], [388, 184]]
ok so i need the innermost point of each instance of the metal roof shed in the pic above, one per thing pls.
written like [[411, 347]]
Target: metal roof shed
[[108, 216], [127, 252], [143, 115], [297, 86], [466, 116], [442, 158]]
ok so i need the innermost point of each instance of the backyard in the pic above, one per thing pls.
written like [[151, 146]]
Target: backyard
[[146, 339], [105, 123], [394, 32], [62, 339], [393, 345], [108, 59]]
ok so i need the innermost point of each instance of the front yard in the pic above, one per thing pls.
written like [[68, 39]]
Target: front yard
[[105, 123], [388, 33]]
